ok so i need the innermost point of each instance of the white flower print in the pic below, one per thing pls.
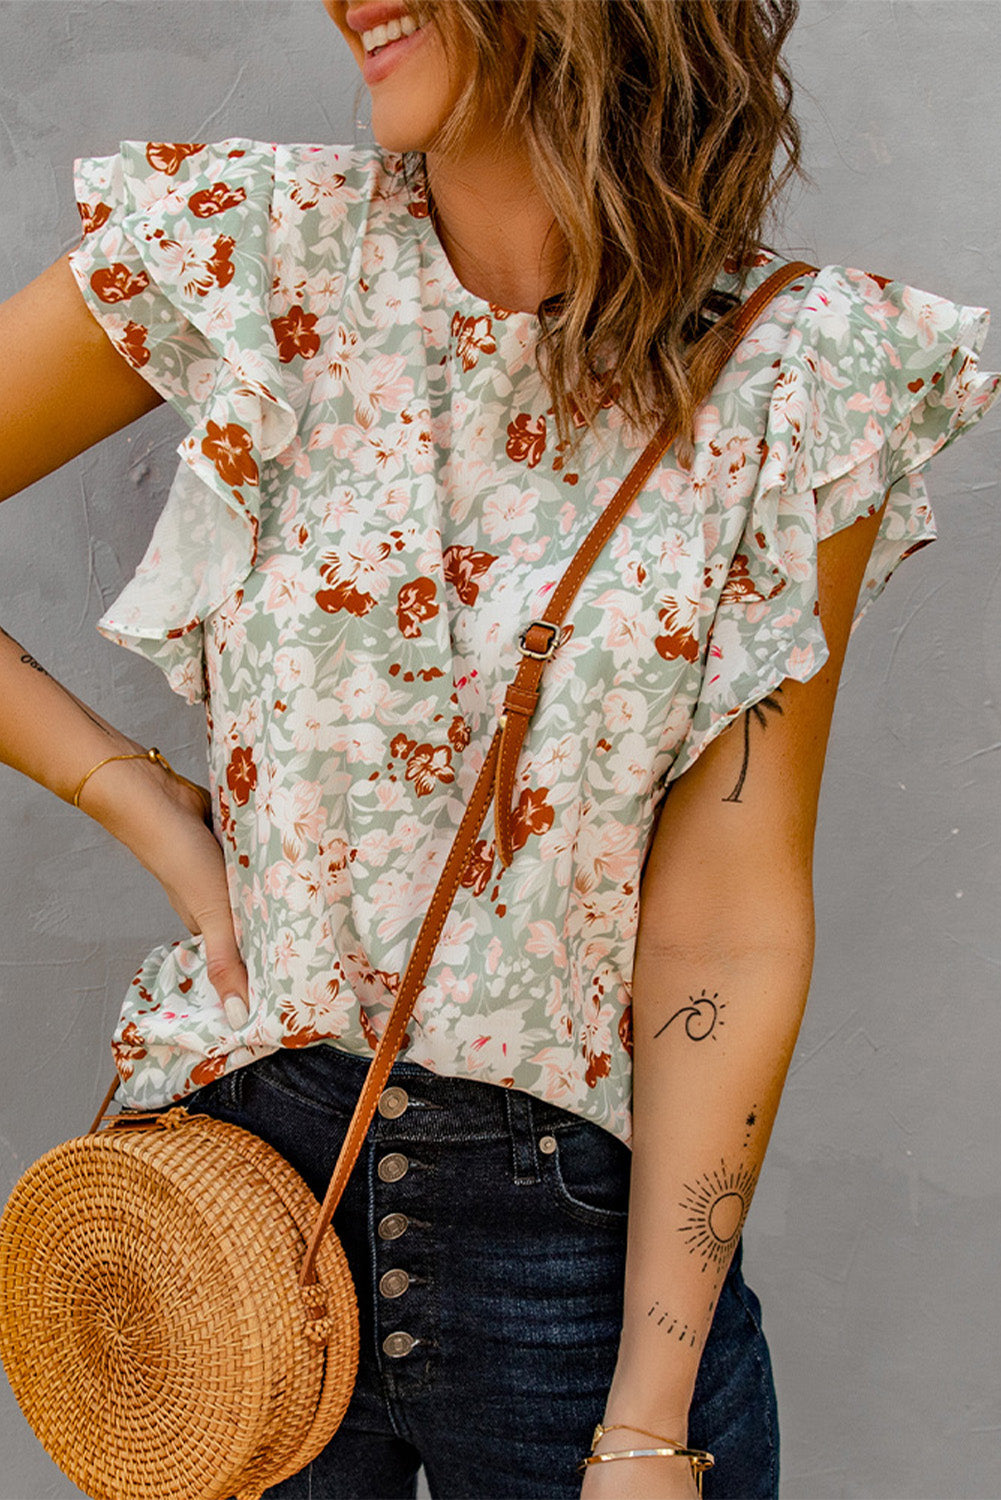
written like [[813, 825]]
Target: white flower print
[[371, 503], [508, 510]]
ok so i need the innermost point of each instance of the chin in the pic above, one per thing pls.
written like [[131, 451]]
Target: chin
[[395, 132]]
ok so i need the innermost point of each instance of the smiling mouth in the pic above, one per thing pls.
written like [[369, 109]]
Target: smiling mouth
[[380, 36]]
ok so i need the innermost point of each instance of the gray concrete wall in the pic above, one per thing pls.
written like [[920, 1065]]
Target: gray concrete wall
[[872, 1240]]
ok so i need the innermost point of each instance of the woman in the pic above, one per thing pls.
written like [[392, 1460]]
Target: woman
[[380, 488]]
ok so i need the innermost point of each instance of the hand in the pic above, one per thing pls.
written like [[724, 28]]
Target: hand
[[164, 822]]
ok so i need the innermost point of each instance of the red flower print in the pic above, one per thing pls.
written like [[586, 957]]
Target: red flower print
[[215, 200], [479, 867], [342, 574], [400, 747], [94, 217], [427, 765], [116, 283], [458, 733], [473, 337], [221, 265], [133, 345], [164, 156], [678, 638], [532, 815], [599, 1065], [463, 566], [414, 604], [739, 587], [526, 440], [229, 448], [295, 335], [207, 1069], [227, 823], [626, 1029], [241, 775], [128, 1050]]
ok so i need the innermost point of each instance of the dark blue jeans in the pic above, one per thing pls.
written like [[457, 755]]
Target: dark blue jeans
[[486, 1233]]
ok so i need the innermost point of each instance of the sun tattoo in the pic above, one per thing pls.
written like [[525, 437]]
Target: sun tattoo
[[757, 709], [717, 1206]]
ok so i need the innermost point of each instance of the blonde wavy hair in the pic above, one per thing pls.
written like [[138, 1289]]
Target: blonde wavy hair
[[660, 132]]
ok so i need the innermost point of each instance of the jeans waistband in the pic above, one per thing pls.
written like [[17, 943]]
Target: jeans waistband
[[436, 1107]]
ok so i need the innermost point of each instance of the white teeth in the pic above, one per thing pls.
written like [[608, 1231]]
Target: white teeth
[[393, 30]]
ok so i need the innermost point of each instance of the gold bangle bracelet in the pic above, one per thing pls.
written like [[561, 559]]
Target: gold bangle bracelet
[[699, 1459], [154, 755]]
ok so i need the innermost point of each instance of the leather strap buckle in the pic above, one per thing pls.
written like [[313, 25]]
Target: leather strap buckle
[[549, 650]]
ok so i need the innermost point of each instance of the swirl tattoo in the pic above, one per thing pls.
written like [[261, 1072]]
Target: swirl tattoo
[[702, 1016]]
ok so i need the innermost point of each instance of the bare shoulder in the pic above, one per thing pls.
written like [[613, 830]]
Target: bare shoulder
[[737, 829], [63, 384]]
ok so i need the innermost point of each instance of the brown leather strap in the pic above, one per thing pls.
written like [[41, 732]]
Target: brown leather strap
[[539, 641], [542, 636]]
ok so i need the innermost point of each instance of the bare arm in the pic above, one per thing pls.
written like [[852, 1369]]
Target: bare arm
[[723, 962], [63, 387], [63, 384]]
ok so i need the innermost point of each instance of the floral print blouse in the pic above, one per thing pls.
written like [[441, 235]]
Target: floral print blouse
[[371, 503]]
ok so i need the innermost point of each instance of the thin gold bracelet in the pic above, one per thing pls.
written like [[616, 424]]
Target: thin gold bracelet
[[153, 755], [697, 1457]]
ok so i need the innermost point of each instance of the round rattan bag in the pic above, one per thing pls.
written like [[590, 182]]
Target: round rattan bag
[[151, 1322]]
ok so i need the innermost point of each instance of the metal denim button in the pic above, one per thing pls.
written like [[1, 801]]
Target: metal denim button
[[393, 1101], [394, 1283], [397, 1344], [392, 1226], [548, 1144], [392, 1167]]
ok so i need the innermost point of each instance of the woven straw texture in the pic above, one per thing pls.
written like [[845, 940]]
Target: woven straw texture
[[151, 1323]]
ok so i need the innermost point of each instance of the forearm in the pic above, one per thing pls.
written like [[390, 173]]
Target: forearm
[[50, 736], [713, 1031], [45, 732]]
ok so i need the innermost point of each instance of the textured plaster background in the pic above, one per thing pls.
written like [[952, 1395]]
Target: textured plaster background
[[873, 1238]]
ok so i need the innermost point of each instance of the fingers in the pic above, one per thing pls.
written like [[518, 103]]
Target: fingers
[[226, 971]]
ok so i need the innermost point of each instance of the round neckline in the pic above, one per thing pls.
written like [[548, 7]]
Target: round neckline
[[455, 290]]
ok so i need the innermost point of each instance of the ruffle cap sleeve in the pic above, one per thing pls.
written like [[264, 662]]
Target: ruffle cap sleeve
[[875, 378], [174, 264]]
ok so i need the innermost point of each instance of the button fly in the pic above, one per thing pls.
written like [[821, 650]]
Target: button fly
[[394, 1283], [397, 1344], [393, 1101], [548, 1144], [392, 1226], [392, 1167]]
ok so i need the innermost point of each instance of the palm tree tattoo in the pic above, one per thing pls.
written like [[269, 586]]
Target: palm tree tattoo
[[757, 709]]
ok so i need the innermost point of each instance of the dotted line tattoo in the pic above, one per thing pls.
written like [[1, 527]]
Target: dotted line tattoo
[[717, 1206], [685, 1333], [702, 1016]]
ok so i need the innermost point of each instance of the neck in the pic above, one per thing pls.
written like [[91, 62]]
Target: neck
[[495, 226]]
